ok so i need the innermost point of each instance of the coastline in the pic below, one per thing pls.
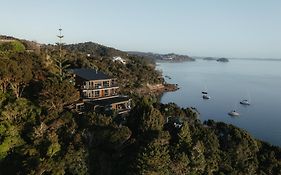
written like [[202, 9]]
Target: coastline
[[158, 89]]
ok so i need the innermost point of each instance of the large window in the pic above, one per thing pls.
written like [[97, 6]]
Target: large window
[[105, 84], [98, 85], [97, 93], [106, 92]]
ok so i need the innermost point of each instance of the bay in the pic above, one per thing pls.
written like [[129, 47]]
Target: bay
[[228, 83]]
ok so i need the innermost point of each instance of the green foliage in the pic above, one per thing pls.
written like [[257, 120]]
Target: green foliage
[[12, 117], [60, 141], [145, 118], [12, 46], [56, 94], [15, 73], [10, 139], [154, 157], [53, 149], [184, 136]]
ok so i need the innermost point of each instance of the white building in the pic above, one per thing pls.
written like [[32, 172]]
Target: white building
[[118, 58]]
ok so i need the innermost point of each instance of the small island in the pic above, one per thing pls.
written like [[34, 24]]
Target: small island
[[224, 60]]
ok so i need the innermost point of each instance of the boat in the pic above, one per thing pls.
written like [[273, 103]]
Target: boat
[[206, 97], [205, 90], [233, 113], [244, 102]]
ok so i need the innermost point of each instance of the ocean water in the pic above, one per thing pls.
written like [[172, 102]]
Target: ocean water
[[228, 83]]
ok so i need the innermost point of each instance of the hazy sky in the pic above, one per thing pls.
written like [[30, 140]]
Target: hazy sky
[[225, 28]]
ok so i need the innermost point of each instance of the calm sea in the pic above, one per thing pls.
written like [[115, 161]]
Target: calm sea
[[227, 84]]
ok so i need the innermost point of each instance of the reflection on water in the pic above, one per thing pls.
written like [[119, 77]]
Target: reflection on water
[[227, 84]]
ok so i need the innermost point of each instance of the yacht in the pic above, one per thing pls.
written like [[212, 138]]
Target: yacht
[[206, 97], [244, 102], [233, 113]]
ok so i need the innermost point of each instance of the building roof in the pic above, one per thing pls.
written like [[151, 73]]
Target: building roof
[[109, 101], [90, 74]]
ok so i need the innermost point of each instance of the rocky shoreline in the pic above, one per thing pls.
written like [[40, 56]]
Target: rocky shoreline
[[157, 89]]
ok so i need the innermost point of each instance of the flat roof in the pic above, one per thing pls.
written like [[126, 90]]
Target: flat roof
[[109, 101], [90, 74]]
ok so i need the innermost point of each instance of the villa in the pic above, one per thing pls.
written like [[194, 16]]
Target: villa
[[99, 91]]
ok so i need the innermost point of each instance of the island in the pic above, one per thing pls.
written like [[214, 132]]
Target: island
[[224, 60]]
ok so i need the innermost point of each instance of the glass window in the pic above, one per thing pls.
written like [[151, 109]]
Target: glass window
[[97, 93], [106, 93], [98, 85], [106, 84]]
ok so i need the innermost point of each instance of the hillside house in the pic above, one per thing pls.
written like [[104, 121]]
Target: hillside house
[[119, 59], [98, 90]]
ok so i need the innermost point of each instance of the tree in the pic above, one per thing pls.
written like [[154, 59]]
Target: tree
[[15, 73], [4, 74], [184, 137], [154, 159], [56, 94], [145, 118], [13, 118]]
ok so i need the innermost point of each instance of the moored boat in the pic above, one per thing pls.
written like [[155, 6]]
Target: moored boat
[[233, 113], [206, 97], [244, 102]]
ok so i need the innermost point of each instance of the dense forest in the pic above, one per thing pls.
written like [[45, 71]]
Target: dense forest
[[40, 135]]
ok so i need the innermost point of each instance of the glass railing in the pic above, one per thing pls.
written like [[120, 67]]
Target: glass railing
[[98, 87]]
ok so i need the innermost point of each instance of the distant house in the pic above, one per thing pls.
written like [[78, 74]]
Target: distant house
[[117, 58], [98, 90]]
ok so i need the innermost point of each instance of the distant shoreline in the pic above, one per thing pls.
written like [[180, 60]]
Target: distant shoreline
[[252, 59]]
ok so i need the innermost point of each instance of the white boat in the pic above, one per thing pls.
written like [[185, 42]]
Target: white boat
[[244, 102], [233, 113], [206, 97]]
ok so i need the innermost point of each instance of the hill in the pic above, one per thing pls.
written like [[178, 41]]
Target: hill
[[171, 57], [11, 44], [40, 135]]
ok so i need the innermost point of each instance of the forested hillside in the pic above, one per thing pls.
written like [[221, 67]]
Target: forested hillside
[[39, 135]]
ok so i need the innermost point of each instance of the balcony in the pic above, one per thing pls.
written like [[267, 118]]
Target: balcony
[[84, 87]]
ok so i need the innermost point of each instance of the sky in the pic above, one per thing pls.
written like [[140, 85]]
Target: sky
[[217, 28]]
